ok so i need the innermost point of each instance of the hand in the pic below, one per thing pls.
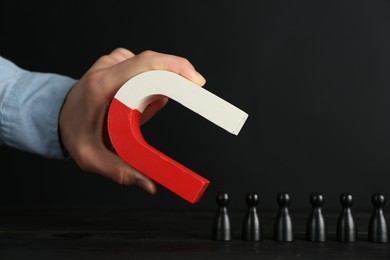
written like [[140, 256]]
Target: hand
[[83, 116]]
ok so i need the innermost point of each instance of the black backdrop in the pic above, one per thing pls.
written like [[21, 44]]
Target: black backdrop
[[312, 75]]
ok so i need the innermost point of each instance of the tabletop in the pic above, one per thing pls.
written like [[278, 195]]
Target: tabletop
[[166, 234]]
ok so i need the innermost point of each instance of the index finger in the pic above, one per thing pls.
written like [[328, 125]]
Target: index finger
[[150, 60]]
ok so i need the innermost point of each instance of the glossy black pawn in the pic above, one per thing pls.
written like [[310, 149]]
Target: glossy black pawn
[[251, 227], [221, 225], [377, 227], [346, 226], [316, 229], [283, 228]]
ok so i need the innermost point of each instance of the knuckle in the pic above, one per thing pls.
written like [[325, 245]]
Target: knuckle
[[105, 59], [83, 159], [121, 50], [118, 175], [123, 176], [92, 81], [147, 56]]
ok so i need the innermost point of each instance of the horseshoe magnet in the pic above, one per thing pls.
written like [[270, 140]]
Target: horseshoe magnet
[[124, 127]]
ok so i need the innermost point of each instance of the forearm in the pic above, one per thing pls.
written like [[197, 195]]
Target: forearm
[[30, 104]]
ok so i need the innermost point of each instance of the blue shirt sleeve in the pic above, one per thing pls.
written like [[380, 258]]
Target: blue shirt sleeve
[[30, 103]]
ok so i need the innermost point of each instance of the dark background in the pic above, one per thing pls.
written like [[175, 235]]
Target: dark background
[[312, 75]]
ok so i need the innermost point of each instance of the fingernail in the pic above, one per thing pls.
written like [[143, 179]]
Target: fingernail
[[198, 75], [144, 185]]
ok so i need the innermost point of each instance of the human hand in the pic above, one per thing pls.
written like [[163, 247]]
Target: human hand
[[83, 117]]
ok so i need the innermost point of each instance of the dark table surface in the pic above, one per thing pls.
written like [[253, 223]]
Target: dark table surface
[[165, 234]]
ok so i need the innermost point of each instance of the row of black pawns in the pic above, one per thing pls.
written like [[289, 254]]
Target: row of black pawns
[[316, 228]]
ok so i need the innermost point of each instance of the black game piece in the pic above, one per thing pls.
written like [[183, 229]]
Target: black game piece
[[283, 228], [377, 227], [251, 226], [221, 226], [316, 229], [346, 226]]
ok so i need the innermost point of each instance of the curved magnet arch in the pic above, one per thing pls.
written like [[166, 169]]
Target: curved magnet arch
[[125, 134]]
